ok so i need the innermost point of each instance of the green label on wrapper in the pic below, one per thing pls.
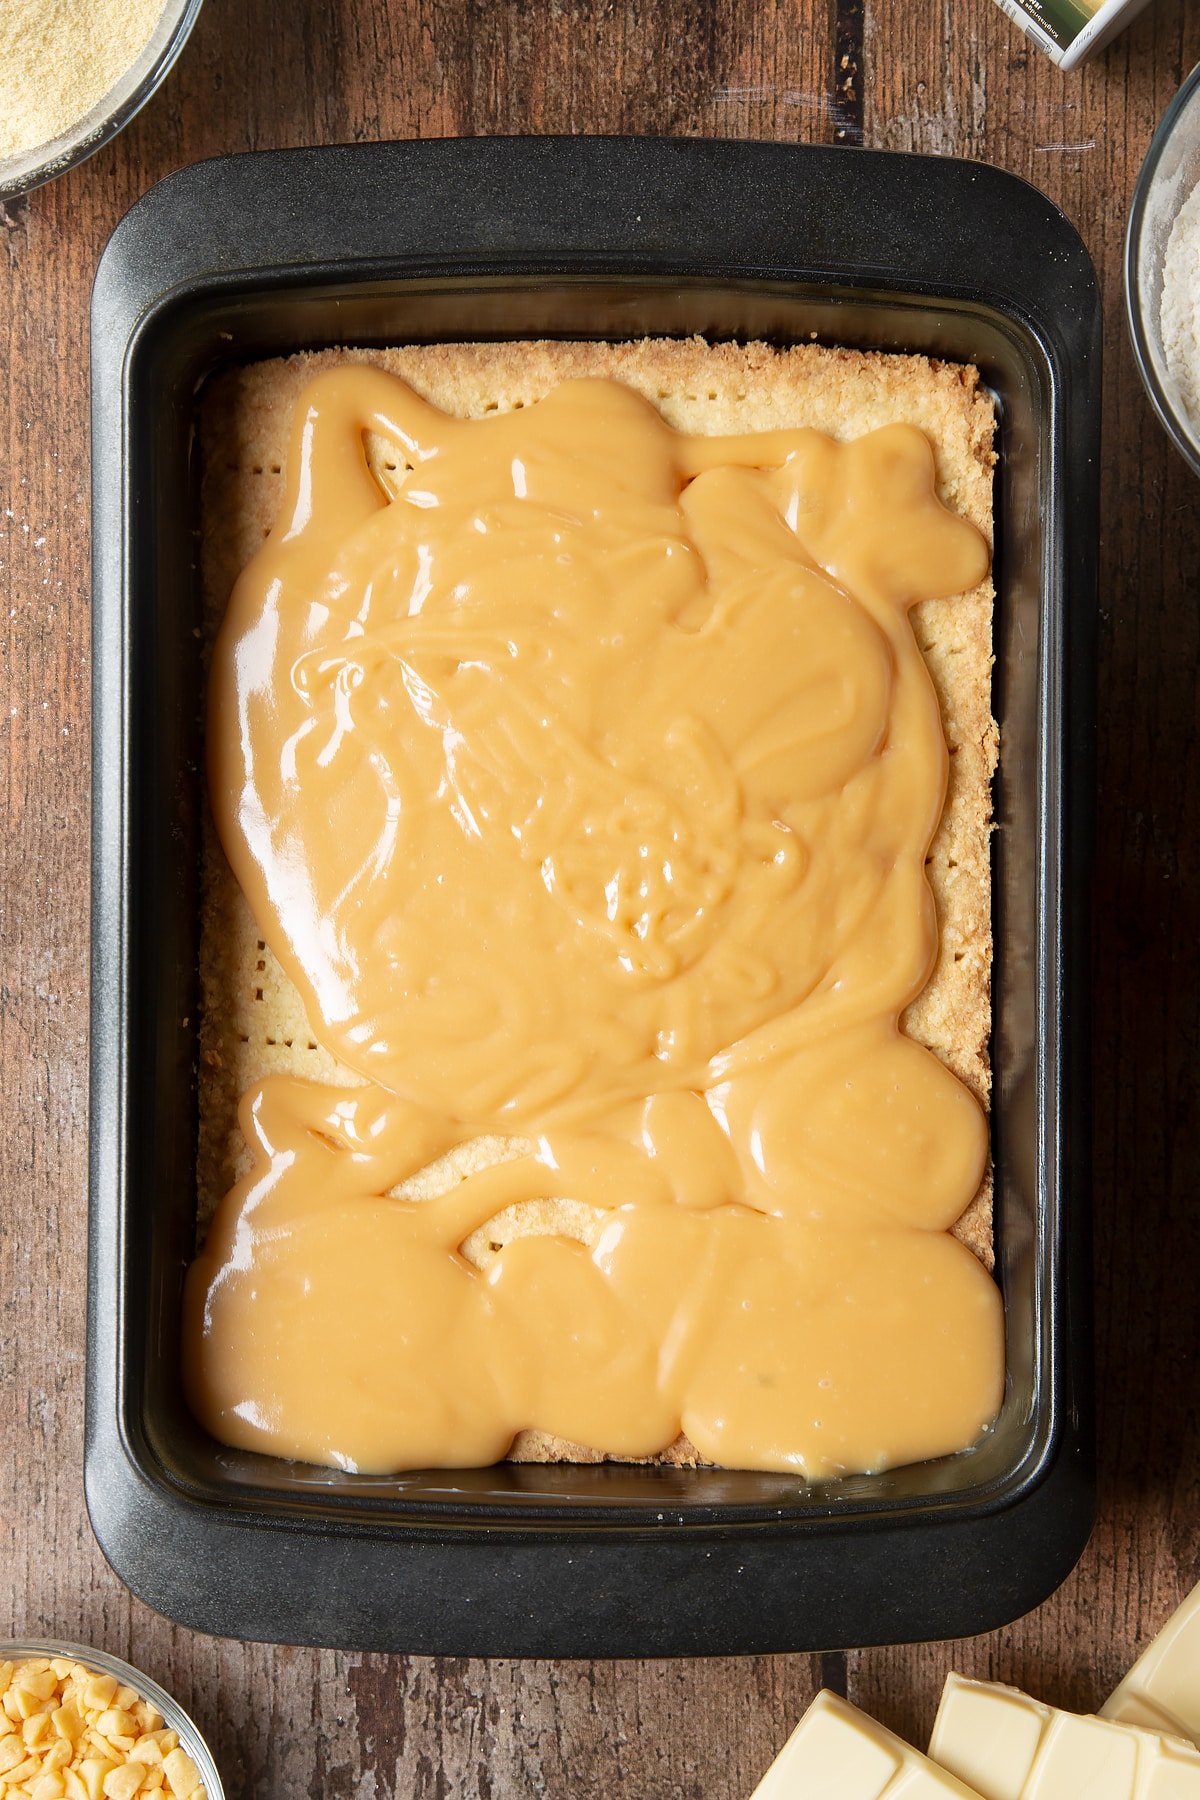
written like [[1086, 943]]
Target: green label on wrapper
[[1061, 20]]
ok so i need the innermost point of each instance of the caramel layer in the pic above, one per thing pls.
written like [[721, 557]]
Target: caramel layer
[[583, 786]]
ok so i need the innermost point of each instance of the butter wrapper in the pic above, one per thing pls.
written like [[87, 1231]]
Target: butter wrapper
[[1070, 31]]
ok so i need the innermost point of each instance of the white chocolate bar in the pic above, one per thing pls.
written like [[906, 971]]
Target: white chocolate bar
[[1162, 1690], [1009, 1747], [838, 1753]]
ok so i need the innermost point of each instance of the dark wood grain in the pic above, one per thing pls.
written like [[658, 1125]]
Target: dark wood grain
[[849, 72], [946, 77]]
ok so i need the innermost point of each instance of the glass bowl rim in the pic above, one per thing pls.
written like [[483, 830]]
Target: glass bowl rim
[[24, 170], [103, 1662], [1187, 443]]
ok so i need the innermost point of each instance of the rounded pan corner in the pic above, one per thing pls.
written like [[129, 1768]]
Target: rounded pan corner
[[1052, 231]]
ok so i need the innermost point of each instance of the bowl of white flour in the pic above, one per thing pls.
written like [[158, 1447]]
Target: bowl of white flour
[[73, 73], [1162, 270]]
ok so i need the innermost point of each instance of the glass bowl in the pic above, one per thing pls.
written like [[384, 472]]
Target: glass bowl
[[27, 169], [1168, 176], [174, 1715]]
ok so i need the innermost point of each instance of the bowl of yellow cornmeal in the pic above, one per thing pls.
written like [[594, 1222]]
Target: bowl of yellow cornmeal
[[73, 73]]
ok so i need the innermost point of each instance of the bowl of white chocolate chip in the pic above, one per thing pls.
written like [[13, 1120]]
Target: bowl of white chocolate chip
[[1162, 271], [78, 1724]]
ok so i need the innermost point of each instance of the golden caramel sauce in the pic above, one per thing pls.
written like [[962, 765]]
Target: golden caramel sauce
[[583, 784]]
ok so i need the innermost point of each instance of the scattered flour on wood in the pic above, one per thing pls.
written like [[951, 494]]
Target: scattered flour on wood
[[59, 58], [1180, 316]]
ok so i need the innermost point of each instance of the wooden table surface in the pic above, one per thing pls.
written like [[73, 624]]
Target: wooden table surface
[[949, 76]]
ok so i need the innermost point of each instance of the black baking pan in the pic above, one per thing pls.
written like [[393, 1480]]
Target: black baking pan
[[390, 243]]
